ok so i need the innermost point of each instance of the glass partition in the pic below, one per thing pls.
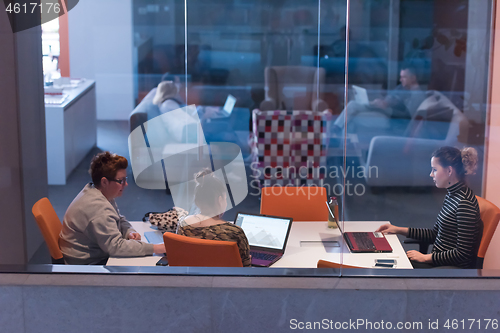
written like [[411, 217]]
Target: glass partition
[[413, 86], [313, 100]]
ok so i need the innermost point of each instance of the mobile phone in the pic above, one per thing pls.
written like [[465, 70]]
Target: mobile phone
[[162, 262], [387, 263]]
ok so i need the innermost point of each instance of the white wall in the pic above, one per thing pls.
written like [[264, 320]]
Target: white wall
[[101, 48]]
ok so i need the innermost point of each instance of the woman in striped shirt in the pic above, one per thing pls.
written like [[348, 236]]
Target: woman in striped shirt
[[458, 229]]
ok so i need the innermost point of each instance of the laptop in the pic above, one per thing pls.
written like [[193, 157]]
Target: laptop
[[267, 236], [360, 95], [364, 242], [227, 109], [156, 237]]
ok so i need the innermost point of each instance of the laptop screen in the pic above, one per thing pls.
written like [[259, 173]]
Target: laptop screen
[[229, 105], [264, 231]]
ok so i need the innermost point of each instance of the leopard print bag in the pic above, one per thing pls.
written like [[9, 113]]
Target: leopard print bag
[[166, 221]]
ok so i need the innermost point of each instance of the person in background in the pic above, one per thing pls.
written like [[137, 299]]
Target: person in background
[[210, 198], [93, 229], [458, 229], [402, 102], [166, 97]]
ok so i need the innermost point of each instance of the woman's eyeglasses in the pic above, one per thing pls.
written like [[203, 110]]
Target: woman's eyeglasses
[[119, 181]]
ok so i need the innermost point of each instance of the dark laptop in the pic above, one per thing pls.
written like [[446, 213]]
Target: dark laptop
[[364, 242], [267, 236]]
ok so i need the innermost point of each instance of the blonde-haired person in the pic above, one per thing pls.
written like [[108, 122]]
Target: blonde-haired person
[[210, 198], [93, 229], [458, 229], [166, 97]]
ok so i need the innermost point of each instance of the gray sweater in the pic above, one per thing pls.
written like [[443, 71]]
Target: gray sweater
[[93, 230]]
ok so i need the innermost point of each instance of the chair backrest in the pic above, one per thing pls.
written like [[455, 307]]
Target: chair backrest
[[289, 147], [302, 80], [190, 252], [49, 225], [490, 214], [329, 264], [300, 203], [492, 255]]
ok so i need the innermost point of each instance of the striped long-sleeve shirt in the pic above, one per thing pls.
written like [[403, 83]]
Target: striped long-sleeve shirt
[[458, 229]]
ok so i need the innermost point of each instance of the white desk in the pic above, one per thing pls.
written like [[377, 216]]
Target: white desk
[[141, 228], [297, 256]]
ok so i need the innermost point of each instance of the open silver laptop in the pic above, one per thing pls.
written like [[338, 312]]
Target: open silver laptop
[[227, 109], [267, 236], [360, 95]]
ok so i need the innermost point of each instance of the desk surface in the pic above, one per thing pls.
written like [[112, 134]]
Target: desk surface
[[304, 247], [73, 94], [300, 253]]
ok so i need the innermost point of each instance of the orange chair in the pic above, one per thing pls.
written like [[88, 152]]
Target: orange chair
[[189, 251], [491, 256], [329, 264], [300, 203], [50, 226], [490, 214]]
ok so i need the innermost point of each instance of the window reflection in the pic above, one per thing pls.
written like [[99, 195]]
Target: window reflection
[[386, 41], [417, 80]]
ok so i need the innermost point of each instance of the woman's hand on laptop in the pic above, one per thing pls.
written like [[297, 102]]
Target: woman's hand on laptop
[[392, 229]]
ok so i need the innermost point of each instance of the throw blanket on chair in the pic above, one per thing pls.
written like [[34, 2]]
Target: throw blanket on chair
[[289, 147]]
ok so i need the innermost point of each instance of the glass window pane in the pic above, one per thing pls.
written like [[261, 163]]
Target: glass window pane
[[417, 81]]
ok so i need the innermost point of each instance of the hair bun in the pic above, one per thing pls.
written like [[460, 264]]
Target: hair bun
[[469, 160], [200, 177]]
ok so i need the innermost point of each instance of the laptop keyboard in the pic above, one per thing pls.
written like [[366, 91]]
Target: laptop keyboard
[[363, 241], [263, 255]]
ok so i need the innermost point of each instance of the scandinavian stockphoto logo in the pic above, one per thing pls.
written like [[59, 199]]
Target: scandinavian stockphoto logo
[[166, 152], [26, 14]]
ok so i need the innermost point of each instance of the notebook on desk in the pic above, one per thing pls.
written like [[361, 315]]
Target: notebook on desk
[[364, 242], [267, 236]]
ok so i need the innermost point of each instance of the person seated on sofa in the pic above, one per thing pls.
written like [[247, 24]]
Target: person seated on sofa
[[402, 102], [93, 228], [210, 198], [458, 230], [166, 97]]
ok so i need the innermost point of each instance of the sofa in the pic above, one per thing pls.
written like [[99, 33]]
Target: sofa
[[165, 136], [404, 159], [181, 139], [214, 130]]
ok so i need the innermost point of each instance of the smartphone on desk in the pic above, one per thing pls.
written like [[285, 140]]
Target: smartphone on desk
[[162, 262], [386, 263]]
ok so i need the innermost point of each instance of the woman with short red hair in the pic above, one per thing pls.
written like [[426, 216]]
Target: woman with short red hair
[[93, 229]]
